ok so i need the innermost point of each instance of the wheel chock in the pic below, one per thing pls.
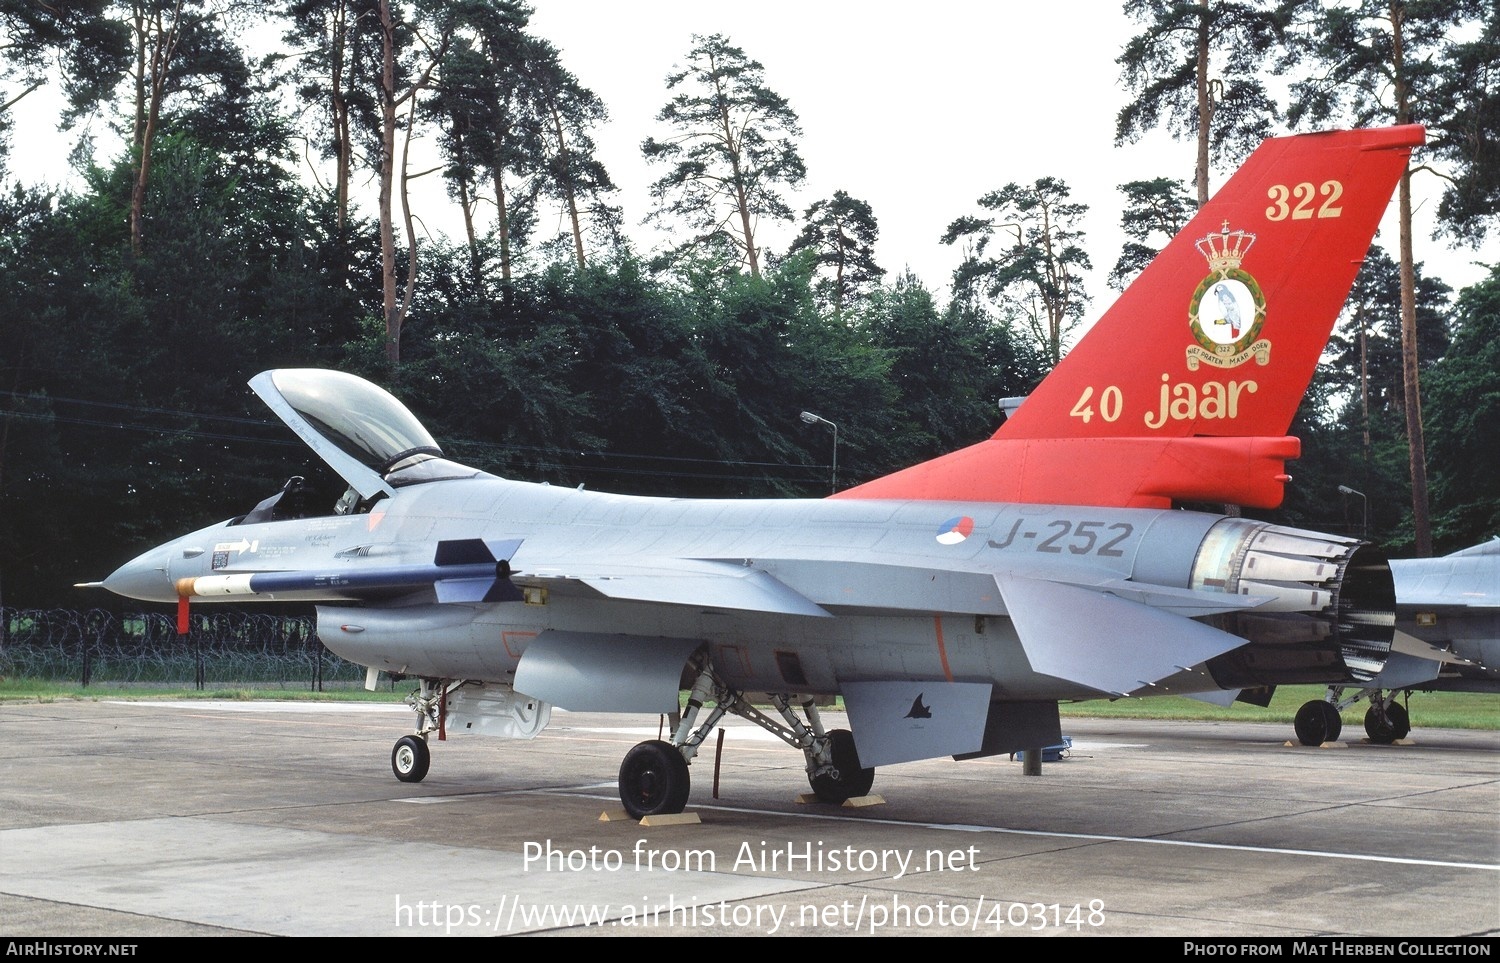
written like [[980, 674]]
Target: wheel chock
[[671, 819]]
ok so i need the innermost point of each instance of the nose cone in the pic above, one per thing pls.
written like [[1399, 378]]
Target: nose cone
[[144, 577]]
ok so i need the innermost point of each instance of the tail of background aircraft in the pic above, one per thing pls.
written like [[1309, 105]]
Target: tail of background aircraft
[[1184, 390]]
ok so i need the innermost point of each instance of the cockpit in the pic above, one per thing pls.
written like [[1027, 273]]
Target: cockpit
[[372, 440]]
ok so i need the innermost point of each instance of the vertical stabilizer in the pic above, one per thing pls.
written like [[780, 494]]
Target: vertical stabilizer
[[1185, 388]]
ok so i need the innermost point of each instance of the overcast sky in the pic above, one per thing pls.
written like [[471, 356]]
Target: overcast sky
[[918, 110], [918, 114]]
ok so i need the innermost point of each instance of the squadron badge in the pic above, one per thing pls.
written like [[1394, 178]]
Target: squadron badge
[[1227, 309]]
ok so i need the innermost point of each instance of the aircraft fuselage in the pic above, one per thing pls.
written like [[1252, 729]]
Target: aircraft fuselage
[[918, 589]]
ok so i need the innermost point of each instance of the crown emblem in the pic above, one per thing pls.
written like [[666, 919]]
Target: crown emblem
[[1227, 310], [1225, 250]]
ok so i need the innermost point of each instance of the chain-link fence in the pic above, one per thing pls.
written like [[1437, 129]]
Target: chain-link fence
[[222, 649]]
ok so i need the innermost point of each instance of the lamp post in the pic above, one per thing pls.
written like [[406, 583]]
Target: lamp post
[[812, 419], [1364, 530]]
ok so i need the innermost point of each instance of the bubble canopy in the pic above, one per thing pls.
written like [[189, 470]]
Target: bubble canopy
[[372, 440]]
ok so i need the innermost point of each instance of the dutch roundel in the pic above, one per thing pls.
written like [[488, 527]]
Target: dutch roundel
[[955, 530]]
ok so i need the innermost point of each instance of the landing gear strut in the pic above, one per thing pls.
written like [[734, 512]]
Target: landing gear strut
[[1386, 721], [843, 778], [654, 776], [411, 757]]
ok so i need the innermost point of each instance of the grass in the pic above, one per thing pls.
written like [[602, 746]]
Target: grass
[[44, 690], [1431, 710]]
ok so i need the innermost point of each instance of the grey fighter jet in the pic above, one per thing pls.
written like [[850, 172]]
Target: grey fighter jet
[[951, 606]]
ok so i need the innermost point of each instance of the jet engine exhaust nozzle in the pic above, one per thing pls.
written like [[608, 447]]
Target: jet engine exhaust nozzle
[[1331, 617]]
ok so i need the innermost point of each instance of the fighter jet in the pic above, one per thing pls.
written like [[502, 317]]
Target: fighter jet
[[1050, 562], [1447, 640]]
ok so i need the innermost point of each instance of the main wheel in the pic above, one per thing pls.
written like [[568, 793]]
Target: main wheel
[[1317, 722], [410, 758], [1332, 720], [1386, 725], [654, 779], [849, 780], [1399, 719]]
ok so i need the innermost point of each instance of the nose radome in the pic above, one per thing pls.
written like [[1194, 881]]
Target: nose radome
[[143, 577]]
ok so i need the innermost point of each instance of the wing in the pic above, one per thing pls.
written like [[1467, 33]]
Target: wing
[[669, 581]]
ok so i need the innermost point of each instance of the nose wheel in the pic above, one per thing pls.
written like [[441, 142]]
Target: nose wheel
[[410, 758]]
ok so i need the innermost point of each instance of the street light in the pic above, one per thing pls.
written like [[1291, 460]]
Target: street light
[[1364, 531], [812, 419]]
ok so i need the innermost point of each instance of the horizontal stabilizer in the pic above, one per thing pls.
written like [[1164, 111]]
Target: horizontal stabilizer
[[1101, 641], [1188, 603], [1402, 671], [1216, 697], [1411, 645]]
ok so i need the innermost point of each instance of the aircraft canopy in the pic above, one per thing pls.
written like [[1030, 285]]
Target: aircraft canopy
[[358, 428]]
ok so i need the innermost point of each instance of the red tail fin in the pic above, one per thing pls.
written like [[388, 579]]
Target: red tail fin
[[1185, 388]]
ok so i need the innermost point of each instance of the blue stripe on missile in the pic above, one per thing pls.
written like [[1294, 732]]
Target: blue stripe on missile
[[463, 570]]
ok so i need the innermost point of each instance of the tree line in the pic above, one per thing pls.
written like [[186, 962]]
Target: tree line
[[223, 240]]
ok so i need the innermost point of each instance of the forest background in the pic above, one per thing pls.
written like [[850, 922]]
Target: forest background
[[251, 186]]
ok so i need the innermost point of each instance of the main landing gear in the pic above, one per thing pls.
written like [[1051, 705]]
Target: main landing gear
[[1317, 722], [1386, 721], [654, 777]]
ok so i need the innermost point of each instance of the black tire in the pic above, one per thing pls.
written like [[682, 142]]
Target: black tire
[[851, 779], [654, 780], [1385, 726], [410, 758], [1400, 719], [1317, 722]]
